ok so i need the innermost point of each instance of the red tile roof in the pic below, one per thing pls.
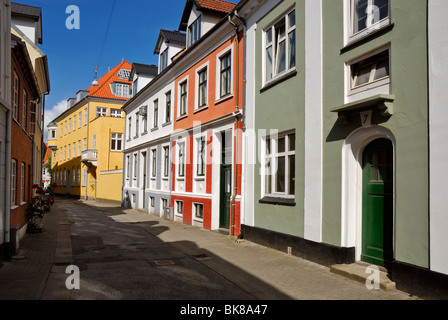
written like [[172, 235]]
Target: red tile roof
[[103, 90], [217, 5]]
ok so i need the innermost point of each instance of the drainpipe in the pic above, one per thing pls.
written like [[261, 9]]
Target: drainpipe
[[8, 181], [236, 114]]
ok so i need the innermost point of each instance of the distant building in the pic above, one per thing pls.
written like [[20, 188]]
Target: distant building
[[87, 139], [46, 167]]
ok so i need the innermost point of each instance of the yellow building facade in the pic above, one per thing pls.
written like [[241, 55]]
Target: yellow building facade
[[87, 139]]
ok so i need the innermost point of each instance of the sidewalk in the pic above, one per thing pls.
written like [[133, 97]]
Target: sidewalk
[[38, 271]]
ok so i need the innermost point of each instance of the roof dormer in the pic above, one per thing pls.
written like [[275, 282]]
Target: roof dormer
[[200, 16], [168, 45]]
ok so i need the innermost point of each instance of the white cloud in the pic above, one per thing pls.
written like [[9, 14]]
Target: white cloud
[[51, 114]]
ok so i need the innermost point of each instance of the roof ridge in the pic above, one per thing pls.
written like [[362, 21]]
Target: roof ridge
[[104, 80]]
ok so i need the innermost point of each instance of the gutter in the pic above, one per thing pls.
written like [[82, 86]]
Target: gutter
[[8, 181]]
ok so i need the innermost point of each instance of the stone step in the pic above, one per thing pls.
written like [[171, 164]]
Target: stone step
[[358, 271]]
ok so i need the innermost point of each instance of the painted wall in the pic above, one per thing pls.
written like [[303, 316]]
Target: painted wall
[[408, 124], [438, 134], [271, 106]]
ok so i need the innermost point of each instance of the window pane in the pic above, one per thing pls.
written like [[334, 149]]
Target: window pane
[[292, 142], [292, 19], [292, 49], [268, 176], [281, 57], [383, 6], [268, 36], [280, 187], [268, 146], [363, 75], [382, 69], [360, 15], [292, 174], [281, 145], [269, 63]]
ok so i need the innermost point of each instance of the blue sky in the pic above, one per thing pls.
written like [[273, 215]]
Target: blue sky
[[73, 54]]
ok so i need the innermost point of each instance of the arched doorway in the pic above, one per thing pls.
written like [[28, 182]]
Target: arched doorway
[[377, 202]]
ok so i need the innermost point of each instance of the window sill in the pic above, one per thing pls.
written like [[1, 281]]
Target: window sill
[[181, 117], [368, 37], [224, 98], [166, 124], [199, 178], [154, 129], [278, 201], [200, 109], [14, 207], [279, 79]]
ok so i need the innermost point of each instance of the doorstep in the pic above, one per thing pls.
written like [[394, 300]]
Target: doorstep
[[357, 271]]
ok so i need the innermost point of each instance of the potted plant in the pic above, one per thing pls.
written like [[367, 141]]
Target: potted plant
[[40, 205]]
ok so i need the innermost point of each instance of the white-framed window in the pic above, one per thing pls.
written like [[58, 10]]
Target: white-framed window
[[154, 163], [79, 147], [129, 127], [65, 152], [370, 72], [84, 177], [280, 46], [202, 92], [225, 74], [116, 141], [137, 117], [183, 98], [122, 90], [128, 166], [15, 98], [66, 128], [181, 159], [151, 201], [24, 110], [201, 148], [279, 165], [74, 149], [86, 117], [94, 141], [73, 177], [79, 177], [33, 117], [115, 113], [163, 60], [166, 161], [145, 121], [134, 169], [156, 113], [80, 119], [74, 123], [69, 151], [62, 130], [168, 107], [22, 182], [164, 203], [179, 207], [101, 112], [194, 31], [85, 144], [198, 209], [13, 182], [366, 16], [70, 125]]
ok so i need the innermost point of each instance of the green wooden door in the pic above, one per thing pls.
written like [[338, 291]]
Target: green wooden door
[[377, 214], [226, 192]]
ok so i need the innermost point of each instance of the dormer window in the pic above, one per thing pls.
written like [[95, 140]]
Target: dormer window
[[164, 60], [122, 90], [124, 74], [194, 31]]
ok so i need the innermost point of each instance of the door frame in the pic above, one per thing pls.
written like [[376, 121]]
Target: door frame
[[352, 183]]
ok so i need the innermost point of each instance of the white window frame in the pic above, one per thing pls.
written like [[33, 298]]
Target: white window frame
[[134, 167], [13, 183], [33, 118], [84, 177], [199, 71], [22, 183], [79, 177], [156, 113], [101, 112], [85, 143], [153, 163], [351, 35], [201, 156], [371, 87], [94, 142], [179, 109], [168, 102], [79, 147], [166, 161], [180, 165], [197, 205], [116, 113], [15, 97], [74, 149], [115, 139], [80, 119], [179, 207], [272, 158], [194, 31], [86, 116], [219, 57], [25, 111], [74, 122], [273, 44]]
